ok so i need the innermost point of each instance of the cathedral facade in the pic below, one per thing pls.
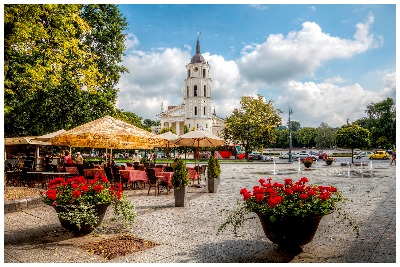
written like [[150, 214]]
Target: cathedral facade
[[195, 111]]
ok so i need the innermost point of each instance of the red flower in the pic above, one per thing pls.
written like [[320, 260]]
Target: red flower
[[104, 179], [303, 196], [259, 197], [273, 201], [243, 191], [51, 194], [76, 193], [98, 188], [288, 191], [261, 181], [288, 181], [84, 188], [75, 186]]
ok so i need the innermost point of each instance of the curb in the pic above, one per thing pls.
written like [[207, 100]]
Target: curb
[[22, 204]]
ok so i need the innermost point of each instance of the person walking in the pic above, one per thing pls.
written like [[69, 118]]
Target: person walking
[[393, 157], [79, 163]]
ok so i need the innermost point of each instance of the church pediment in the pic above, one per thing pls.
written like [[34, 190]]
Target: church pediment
[[175, 112]]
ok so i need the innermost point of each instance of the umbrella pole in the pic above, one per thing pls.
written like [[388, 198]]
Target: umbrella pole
[[106, 156]]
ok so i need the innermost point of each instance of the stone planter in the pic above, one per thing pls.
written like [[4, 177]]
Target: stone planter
[[213, 185], [84, 229], [307, 164], [180, 196], [290, 231]]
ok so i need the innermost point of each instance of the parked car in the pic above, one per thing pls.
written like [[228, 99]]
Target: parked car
[[363, 154], [356, 151], [259, 156], [380, 154], [286, 155]]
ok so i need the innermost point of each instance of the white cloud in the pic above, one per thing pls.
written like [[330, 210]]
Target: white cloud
[[158, 77], [281, 58], [313, 103]]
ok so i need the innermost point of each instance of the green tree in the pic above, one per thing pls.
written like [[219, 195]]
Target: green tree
[[253, 124], [59, 70], [282, 137], [306, 136], [325, 136], [352, 136], [381, 122]]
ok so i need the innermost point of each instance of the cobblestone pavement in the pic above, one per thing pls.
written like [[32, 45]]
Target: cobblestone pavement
[[189, 234]]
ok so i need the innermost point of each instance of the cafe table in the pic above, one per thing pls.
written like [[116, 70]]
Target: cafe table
[[165, 177], [73, 170], [95, 173], [134, 176]]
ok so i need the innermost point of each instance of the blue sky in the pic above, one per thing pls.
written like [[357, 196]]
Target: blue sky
[[327, 62]]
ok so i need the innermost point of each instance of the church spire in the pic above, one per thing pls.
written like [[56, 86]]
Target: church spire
[[198, 45]]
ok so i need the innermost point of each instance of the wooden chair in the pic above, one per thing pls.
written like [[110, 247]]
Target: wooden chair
[[153, 181], [109, 174]]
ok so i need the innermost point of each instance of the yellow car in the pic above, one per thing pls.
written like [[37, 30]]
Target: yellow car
[[379, 155]]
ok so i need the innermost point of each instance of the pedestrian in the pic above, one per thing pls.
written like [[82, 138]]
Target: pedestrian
[[393, 157], [79, 163], [67, 159]]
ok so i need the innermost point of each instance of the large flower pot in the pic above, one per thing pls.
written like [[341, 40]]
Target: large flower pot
[[180, 196], [100, 210], [290, 231], [213, 185], [307, 164]]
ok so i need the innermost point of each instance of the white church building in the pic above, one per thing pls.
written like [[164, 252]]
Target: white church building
[[195, 111]]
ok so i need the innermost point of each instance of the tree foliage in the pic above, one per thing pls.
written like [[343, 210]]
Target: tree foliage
[[352, 136], [325, 137], [62, 64], [381, 122], [306, 136], [253, 124]]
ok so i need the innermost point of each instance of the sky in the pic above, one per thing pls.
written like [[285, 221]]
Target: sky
[[326, 62]]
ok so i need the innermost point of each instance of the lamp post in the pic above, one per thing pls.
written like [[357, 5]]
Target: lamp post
[[290, 137]]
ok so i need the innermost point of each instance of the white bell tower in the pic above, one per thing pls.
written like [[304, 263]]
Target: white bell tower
[[197, 93]]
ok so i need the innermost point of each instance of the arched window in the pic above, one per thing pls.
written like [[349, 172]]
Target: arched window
[[195, 91], [205, 90], [187, 91], [188, 73], [195, 111], [204, 109], [204, 73]]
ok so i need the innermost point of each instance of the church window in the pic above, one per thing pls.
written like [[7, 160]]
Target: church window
[[204, 110], [206, 125], [188, 73], [204, 73], [205, 90], [195, 90], [187, 91], [195, 111]]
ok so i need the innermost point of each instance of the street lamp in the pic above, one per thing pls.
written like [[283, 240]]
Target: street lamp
[[290, 137]]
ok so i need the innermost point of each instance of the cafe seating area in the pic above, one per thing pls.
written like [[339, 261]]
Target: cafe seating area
[[131, 176]]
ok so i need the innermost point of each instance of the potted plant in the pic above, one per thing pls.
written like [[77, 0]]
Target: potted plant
[[308, 161], [213, 174], [144, 161], [180, 181], [81, 204], [289, 212], [329, 160]]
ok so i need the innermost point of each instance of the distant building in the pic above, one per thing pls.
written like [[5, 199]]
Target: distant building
[[195, 111]]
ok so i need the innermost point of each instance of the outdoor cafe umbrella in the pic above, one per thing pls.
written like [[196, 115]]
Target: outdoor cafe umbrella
[[199, 138], [168, 137], [107, 132]]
